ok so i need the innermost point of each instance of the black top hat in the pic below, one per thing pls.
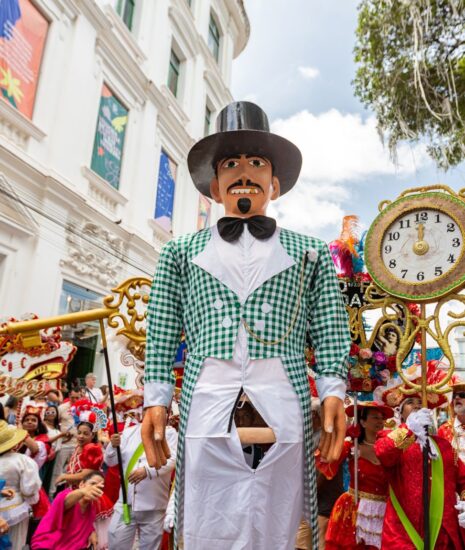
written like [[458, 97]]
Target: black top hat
[[242, 128]]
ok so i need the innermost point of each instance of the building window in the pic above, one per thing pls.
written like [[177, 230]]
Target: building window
[[208, 120], [173, 73], [165, 192], [214, 38], [23, 31], [109, 138], [125, 9]]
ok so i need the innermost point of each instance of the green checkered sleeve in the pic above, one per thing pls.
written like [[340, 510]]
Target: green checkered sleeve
[[328, 321], [164, 319]]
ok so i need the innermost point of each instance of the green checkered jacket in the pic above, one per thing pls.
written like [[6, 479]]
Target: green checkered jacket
[[183, 295]]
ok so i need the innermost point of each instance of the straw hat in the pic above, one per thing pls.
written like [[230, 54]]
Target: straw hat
[[10, 436]]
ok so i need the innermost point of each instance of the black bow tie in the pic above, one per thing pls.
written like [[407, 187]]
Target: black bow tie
[[261, 227]]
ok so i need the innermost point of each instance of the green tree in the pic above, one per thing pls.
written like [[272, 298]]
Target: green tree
[[410, 57]]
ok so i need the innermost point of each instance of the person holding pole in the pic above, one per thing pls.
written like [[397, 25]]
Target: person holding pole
[[147, 491], [400, 451]]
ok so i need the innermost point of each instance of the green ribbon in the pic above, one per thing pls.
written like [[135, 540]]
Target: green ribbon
[[135, 457], [436, 505]]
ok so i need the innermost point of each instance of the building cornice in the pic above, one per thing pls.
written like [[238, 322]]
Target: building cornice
[[239, 13], [16, 127], [184, 27], [42, 182]]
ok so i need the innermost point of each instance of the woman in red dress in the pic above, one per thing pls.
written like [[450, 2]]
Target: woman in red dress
[[359, 526]]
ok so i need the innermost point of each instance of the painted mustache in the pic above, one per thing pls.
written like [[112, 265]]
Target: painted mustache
[[249, 188]]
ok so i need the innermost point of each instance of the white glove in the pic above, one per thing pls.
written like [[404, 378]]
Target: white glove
[[417, 421], [168, 522], [460, 506]]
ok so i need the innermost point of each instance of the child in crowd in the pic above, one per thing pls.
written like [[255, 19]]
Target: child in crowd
[[69, 524]]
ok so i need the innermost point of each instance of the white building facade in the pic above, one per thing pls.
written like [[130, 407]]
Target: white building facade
[[101, 102]]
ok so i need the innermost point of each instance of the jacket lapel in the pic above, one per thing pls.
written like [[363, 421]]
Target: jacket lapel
[[211, 259]]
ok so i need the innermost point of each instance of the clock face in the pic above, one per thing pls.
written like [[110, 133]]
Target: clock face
[[422, 245], [415, 248]]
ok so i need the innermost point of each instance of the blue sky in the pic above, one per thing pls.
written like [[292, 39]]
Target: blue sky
[[298, 66]]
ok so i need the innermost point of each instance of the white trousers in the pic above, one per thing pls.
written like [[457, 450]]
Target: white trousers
[[227, 504], [18, 534], [149, 524]]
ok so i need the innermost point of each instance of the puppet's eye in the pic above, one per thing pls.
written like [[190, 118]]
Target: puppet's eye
[[230, 163], [256, 163]]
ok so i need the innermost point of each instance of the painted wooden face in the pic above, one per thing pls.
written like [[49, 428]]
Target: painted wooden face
[[244, 185]]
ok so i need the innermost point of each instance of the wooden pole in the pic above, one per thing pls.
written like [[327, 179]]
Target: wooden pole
[[424, 399], [126, 514]]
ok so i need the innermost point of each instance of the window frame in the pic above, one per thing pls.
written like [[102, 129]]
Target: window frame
[[215, 36], [172, 69], [126, 16]]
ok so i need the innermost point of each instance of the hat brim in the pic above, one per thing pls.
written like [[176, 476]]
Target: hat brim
[[386, 411], [459, 386], [18, 436], [283, 154]]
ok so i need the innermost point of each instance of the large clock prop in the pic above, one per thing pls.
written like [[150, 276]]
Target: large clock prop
[[415, 252]]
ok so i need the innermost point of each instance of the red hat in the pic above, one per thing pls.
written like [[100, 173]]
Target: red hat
[[386, 411], [128, 400], [393, 396], [34, 410]]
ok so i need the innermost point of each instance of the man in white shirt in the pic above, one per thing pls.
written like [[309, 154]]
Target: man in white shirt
[[91, 392], [147, 491]]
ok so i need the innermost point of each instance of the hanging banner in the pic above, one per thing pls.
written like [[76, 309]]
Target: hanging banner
[[109, 138], [165, 192], [23, 31]]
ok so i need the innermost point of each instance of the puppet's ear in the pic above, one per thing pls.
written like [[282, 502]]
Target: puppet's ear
[[215, 190], [276, 188]]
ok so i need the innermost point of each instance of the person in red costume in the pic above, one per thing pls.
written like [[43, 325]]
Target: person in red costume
[[358, 526], [400, 452], [454, 429]]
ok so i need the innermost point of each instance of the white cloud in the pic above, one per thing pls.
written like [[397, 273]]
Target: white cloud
[[339, 150], [309, 72]]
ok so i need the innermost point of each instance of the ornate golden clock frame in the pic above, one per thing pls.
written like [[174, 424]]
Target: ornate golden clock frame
[[441, 291]]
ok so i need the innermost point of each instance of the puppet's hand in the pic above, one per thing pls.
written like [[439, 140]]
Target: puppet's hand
[[153, 436], [333, 429]]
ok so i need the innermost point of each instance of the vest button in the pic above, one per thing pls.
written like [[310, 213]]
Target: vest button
[[227, 322]]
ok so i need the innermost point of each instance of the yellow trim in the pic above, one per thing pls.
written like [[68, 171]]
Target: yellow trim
[[368, 496], [401, 441]]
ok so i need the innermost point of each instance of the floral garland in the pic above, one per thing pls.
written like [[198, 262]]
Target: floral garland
[[369, 369]]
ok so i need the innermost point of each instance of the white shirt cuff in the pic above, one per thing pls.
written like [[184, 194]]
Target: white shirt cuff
[[330, 386], [157, 393]]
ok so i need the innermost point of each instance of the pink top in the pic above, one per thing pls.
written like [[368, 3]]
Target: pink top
[[62, 529]]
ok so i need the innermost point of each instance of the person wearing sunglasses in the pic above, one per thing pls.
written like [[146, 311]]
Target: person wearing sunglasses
[[454, 429]]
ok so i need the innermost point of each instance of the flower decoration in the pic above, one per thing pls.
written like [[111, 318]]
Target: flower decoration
[[368, 369], [84, 410]]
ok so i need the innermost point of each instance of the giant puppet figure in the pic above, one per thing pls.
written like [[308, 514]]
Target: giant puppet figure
[[245, 292]]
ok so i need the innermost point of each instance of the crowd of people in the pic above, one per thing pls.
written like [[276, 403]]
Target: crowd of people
[[60, 479], [60, 486], [382, 507]]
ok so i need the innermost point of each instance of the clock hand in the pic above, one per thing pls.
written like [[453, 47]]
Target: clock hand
[[421, 247], [421, 231]]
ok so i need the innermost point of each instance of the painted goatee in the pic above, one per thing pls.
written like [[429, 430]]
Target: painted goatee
[[244, 205]]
